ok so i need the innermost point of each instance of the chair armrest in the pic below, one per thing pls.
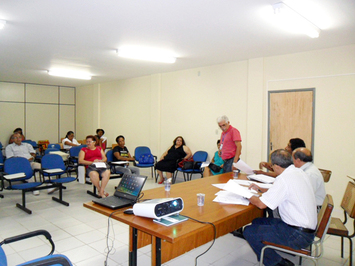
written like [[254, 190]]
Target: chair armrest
[[302, 251], [29, 235]]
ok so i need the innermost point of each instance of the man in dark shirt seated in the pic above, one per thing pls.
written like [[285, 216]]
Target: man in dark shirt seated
[[121, 153]]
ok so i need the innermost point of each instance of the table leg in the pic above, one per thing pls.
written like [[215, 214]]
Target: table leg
[[158, 251], [133, 251]]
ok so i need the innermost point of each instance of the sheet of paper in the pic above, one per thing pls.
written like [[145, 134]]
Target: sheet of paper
[[262, 178], [248, 183], [205, 164], [230, 198], [235, 188], [220, 186], [120, 162], [243, 167], [100, 165]]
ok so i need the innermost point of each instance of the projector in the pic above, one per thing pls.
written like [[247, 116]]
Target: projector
[[158, 208]]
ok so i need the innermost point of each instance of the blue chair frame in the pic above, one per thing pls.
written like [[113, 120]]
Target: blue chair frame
[[140, 150], [54, 145], [55, 161], [199, 157], [15, 165], [50, 259]]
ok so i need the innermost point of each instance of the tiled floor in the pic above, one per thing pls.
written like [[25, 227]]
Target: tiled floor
[[80, 234]]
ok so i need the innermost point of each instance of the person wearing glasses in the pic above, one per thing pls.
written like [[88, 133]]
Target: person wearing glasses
[[231, 144]]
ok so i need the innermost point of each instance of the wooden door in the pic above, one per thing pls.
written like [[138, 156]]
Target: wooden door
[[291, 115]]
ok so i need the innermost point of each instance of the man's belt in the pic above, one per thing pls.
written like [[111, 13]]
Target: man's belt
[[306, 230]]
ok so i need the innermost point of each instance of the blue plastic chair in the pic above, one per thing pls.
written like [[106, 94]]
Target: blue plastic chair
[[47, 151], [199, 157], [49, 260], [109, 156], [15, 165], [144, 150], [54, 145], [55, 161], [74, 157]]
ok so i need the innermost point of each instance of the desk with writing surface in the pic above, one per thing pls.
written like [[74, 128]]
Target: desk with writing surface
[[185, 236]]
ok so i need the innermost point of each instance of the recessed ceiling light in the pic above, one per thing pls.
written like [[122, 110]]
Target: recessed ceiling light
[[293, 21], [2, 23], [147, 54], [69, 74]]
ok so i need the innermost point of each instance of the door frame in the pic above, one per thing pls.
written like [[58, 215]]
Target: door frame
[[313, 115]]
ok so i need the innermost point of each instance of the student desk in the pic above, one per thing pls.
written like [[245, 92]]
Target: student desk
[[170, 242]]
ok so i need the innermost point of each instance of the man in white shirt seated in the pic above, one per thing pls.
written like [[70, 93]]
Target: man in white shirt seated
[[25, 150], [293, 194], [302, 158]]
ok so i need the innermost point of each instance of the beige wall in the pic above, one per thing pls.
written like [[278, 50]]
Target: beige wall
[[153, 110]]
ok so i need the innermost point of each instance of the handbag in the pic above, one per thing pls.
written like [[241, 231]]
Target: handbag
[[146, 158], [186, 164], [215, 168]]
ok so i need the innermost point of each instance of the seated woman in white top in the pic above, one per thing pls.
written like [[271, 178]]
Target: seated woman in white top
[[69, 141]]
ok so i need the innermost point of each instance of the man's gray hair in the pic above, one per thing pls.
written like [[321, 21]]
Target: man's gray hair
[[281, 158], [222, 118], [298, 154]]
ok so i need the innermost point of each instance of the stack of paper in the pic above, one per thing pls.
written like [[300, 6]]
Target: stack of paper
[[234, 193], [262, 178]]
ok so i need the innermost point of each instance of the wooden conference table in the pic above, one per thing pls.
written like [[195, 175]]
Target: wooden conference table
[[185, 236]]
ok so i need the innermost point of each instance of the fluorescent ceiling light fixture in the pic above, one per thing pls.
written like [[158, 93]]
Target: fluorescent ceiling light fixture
[[293, 21], [146, 54], [2, 23], [69, 74]]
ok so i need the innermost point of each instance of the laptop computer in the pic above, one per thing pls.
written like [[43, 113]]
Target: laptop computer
[[126, 194]]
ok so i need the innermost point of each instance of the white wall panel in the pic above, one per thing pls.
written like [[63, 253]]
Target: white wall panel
[[12, 92], [67, 95], [66, 120], [41, 93], [12, 116]]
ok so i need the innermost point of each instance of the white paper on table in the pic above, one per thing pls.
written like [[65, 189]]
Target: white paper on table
[[100, 165], [242, 166], [205, 164], [248, 183], [234, 187], [220, 186], [262, 178], [230, 198]]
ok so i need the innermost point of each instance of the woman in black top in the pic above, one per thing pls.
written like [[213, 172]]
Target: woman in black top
[[167, 162]]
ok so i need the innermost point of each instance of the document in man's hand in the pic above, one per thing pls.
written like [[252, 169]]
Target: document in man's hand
[[242, 166], [262, 178]]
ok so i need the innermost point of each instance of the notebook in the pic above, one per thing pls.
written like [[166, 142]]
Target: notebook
[[126, 194]]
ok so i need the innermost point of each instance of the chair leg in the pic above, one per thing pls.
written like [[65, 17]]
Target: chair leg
[[342, 247], [60, 199], [23, 206], [351, 252], [93, 192]]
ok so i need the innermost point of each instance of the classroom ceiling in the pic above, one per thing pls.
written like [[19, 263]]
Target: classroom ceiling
[[84, 35]]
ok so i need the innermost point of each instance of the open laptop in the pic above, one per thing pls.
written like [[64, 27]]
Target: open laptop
[[126, 194]]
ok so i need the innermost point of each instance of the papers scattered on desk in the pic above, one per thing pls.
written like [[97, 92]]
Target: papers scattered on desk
[[243, 167], [248, 183], [230, 198], [99, 165], [234, 193], [14, 176], [262, 178]]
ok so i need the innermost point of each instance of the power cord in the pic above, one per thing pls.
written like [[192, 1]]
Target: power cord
[[214, 237], [110, 248]]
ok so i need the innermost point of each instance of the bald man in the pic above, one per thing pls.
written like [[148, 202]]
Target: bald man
[[302, 158]]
